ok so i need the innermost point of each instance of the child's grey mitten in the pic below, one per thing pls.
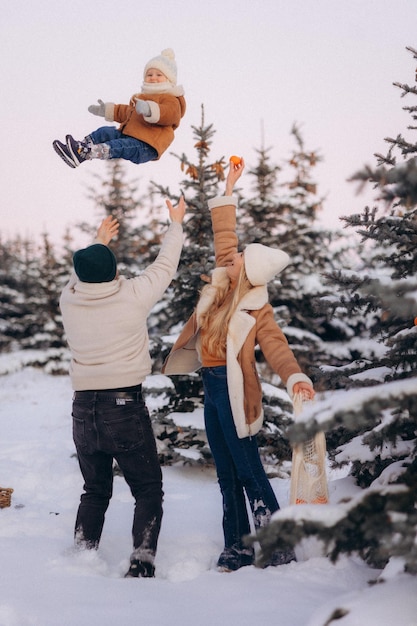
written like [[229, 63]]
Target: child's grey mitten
[[143, 108], [98, 109]]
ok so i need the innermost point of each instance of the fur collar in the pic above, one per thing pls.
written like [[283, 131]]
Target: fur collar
[[167, 87], [254, 300]]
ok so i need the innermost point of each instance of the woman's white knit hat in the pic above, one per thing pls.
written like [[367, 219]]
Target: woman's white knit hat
[[263, 263], [165, 62]]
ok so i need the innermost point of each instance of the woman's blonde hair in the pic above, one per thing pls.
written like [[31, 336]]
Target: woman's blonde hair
[[215, 321]]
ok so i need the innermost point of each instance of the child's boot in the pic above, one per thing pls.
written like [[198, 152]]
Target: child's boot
[[73, 152], [78, 150], [87, 149]]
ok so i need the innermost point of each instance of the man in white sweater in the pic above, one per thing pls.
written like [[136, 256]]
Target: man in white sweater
[[105, 322]]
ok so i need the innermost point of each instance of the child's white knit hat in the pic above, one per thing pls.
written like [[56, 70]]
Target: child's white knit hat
[[263, 263], [165, 62]]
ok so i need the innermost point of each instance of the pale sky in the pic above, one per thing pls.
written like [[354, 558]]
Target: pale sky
[[328, 65]]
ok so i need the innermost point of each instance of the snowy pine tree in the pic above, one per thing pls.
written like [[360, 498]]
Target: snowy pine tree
[[139, 234], [14, 259], [49, 274], [285, 215], [32, 277], [373, 415], [201, 182]]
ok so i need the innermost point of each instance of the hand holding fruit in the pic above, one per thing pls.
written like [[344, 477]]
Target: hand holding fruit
[[237, 165]]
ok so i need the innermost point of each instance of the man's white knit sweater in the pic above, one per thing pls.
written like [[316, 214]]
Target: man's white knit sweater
[[106, 323]]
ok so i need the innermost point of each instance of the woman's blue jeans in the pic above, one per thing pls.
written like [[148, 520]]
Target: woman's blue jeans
[[107, 427], [122, 146], [238, 464]]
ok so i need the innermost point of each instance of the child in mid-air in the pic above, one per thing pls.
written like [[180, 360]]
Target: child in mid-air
[[147, 123]]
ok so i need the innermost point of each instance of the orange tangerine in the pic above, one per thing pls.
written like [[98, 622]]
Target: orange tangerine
[[415, 321], [235, 160]]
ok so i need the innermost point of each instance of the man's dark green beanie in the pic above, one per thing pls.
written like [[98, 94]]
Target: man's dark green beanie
[[95, 264]]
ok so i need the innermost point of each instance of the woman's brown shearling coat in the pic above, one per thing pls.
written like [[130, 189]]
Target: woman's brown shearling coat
[[252, 324]]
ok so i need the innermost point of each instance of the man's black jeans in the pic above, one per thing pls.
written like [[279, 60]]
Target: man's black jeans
[[115, 424]]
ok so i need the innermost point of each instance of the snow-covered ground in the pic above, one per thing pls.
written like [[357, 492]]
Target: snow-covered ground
[[44, 583]]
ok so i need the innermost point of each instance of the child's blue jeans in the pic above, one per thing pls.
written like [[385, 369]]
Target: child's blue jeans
[[122, 146]]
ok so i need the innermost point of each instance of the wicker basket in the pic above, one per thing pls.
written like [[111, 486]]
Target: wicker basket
[[5, 497]]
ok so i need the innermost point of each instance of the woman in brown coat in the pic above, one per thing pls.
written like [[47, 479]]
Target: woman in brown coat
[[233, 316]]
